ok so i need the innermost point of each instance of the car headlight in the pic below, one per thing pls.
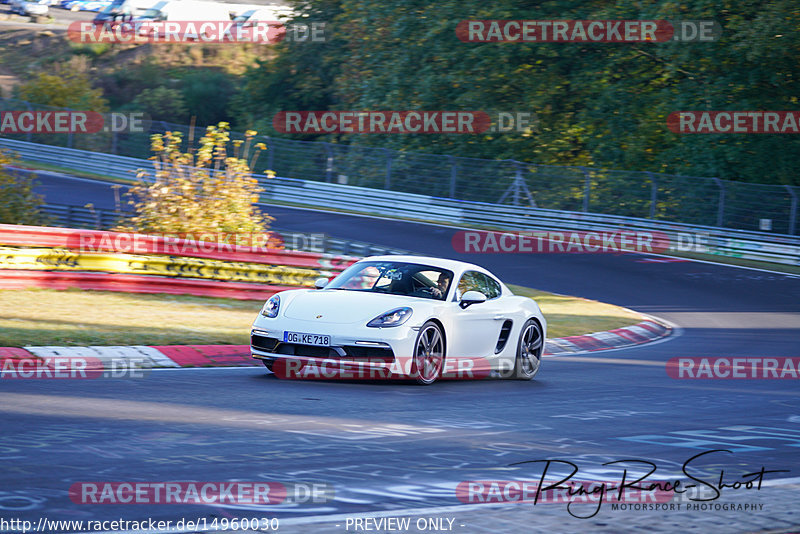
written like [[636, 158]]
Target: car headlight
[[270, 308], [394, 317]]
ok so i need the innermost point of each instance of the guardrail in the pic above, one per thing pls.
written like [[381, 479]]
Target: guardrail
[[321, 243], [744, 244], [683, 199]]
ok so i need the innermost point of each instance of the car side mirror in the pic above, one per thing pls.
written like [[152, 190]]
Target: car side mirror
[[319, 283], [471, 297]]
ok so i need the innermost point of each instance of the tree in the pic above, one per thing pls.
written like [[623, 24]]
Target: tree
[[19, 204], [72, 90], [162, 103], [598, 104], [205, 191]]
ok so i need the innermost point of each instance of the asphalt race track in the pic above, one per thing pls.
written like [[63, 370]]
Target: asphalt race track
[[395, 450]]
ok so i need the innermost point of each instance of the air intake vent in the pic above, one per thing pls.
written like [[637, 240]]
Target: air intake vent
[[504, 333]]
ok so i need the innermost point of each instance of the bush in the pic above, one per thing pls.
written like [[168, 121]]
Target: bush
[[18, 202], [162, 103], [206, 191], [72, 91]]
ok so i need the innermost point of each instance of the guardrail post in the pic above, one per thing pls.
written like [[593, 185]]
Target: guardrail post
[[721, 207], [30, 108], [453, 176], [587, 188], [653, 194], [69, 135], [270, 153], [792, 210], [388, 181], [328, 163]]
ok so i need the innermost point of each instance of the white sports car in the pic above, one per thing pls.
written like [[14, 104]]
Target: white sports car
[[402, 317]]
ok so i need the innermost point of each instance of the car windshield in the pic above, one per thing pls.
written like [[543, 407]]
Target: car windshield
[[395, 278]]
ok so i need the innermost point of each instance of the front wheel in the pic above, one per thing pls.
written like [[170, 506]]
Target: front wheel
[[428, 360], [529, 350]]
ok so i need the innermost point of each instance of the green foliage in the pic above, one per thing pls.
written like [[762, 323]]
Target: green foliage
[[206, 190], [207, 94], [600, 104], [302, 76], [90, 49], [72, 90], [18, 202], [162, 103]]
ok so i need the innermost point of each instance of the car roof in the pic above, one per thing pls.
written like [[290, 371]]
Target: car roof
[[453, 265]]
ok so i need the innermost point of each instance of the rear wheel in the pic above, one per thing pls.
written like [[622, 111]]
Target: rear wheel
[[428, 360], [529, 350]]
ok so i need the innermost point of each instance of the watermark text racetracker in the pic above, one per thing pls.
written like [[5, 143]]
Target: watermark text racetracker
[[405, 122], [44, 524], [72, 368], [587, 31], [71, 122], [195, 31], [202, 492], [722, 368], [734, 122], [578, 242]]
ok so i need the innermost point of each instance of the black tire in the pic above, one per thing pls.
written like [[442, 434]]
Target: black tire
[[529, 350], [428, 359], [268, 364]]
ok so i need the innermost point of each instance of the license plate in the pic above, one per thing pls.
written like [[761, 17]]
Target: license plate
[[307, 339]]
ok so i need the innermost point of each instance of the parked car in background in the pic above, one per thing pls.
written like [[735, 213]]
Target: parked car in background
[[122, 10], [185, 10], [250, 17], [30, 8], [85, 5]]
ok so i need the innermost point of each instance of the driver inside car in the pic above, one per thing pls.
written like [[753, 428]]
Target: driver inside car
[[441, 286]]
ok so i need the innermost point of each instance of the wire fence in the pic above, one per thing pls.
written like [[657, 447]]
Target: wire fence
[[667, 197]]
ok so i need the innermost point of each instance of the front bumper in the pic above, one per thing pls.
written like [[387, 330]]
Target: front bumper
[[362, 349]]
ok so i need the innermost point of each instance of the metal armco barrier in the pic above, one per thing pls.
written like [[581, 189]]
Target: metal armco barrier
[[762, 246], [62, 257]]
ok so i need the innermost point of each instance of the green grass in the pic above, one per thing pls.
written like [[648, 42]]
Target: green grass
[[572, 316], [74, 172], [74, 318]]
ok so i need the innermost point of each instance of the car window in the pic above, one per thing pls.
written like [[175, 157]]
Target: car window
[[363, 278], [475, 281], [395, 278]]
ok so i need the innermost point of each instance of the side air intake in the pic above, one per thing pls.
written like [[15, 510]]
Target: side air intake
[[504, 333]]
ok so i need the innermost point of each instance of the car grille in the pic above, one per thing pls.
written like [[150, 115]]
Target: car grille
[[263, 342], [276, 346]]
